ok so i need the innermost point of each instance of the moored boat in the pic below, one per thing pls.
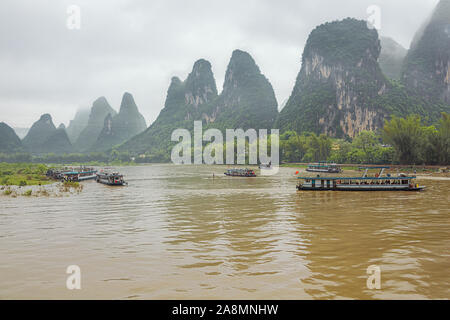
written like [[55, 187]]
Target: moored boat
[[323, 167], [263, 166], [72, 174], [379, 182], [110, 178], [240, 173]]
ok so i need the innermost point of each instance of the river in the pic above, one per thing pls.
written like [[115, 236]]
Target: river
[[178, 233]]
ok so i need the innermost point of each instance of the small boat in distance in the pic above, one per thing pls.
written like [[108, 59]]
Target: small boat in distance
[[364, 183], [240, 173], [263, 166], [323, 167], [111, 179]]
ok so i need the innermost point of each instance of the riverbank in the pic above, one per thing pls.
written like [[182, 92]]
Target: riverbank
[[56, 189], [441, 171], [27, 179], [23, 174]]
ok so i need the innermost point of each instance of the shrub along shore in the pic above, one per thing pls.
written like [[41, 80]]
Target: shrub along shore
[[405, 141], [29, 179]]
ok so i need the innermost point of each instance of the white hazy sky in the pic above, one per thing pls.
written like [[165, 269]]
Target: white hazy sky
[[137, 46]]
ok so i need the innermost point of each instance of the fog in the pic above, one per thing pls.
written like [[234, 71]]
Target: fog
[[137, 46]]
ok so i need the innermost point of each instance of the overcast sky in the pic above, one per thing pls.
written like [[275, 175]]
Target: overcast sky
[[137, 46]]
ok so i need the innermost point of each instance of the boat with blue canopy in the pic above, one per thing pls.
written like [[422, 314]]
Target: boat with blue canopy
[[111, 178], [240, 173], [379, 182], [72, 174], [323, 167]]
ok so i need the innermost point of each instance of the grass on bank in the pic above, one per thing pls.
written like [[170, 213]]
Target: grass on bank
[[23, 174]]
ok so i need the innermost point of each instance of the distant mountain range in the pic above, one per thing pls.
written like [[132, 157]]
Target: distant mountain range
[[122, 126], [427, 64], [97, 129], [246, 101], [350, 80], [88, 136], [341, 89], [21, 132], [77, 125], [9, 141], [44, 137]]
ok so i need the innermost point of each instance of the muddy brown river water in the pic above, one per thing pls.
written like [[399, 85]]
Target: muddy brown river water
[[177, 233]]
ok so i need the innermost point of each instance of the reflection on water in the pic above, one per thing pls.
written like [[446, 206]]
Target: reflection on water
[[177, 232]]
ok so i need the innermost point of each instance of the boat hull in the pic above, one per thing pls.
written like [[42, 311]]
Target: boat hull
[[240, 175], [323, 170], [86, 178], [359, 188], [107, 182]]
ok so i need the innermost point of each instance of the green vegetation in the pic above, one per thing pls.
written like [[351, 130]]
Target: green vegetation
[[71, 184], [67, 186], [23, 174], [345, 41], [14, 176], [365, 148], [306, 147], [408, 140], [402, 140], [416, 143], [94, 159]]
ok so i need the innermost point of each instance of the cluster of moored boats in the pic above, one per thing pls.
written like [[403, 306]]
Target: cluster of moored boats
[[83, 173], [379, 182]]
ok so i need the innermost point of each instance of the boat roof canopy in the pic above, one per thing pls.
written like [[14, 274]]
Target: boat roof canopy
[[77, 172], [378, 167], [357, 178]]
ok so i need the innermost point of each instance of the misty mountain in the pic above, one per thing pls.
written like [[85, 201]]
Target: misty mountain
[[88, 137], [21, 132], [43, 137], [247, 101], [427, 65], [78, 124], [341, 90], [391, 58], [9, 141], [121, 127], [338, 83]]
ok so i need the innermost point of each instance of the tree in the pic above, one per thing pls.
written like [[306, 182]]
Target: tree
[[293, 146], [406, 136], [319, 148], [443, 139], [367, 141]]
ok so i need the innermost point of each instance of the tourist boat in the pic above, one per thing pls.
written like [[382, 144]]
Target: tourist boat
[[240, 173], [323, 167], [379, 182], [111, 179], [265, 166], [72, 174]]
